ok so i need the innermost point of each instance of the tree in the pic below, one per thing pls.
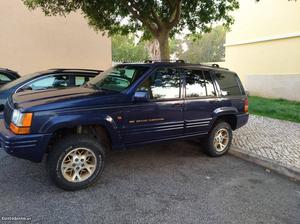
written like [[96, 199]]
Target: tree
[[207, 47], [125, 48], [158, 19]]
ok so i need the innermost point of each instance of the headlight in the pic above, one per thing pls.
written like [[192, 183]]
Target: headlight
[[20, 122]]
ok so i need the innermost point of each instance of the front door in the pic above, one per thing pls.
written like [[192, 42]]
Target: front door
[[200, 101], [161, 116]]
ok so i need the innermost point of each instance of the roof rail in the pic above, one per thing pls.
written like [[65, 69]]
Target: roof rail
[[7, 69], [76, 69], [214, 66], [162, 61]]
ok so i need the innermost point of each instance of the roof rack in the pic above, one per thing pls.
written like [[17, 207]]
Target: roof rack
[[215, 65], [75, 69], [150, 61], [162, 61]]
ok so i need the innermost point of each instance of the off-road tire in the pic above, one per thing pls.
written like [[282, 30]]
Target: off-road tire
[[61, 149], [209, 146]]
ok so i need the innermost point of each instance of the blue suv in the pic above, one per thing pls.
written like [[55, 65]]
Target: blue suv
[[130, 104]]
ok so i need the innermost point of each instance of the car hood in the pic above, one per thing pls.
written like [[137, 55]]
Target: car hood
[[60, 98]]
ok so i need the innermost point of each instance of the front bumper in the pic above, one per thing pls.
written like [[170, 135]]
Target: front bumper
[[30, 147]]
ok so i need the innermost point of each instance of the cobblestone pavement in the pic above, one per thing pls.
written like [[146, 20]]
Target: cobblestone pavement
[[270, 138]]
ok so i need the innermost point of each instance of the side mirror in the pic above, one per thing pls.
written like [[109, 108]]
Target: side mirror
[[141, 96]]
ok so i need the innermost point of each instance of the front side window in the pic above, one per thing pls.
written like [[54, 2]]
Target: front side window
[[228, 83], [119, 77], [164, 83], [54, 81]]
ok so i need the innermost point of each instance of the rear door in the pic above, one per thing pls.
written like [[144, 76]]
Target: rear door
[[161, 117], [200, 101]]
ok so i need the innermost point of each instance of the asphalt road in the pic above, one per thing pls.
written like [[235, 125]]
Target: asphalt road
[[165, 183]]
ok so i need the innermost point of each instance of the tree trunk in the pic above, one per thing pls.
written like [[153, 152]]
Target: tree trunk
[[154, 50], [163, 40]]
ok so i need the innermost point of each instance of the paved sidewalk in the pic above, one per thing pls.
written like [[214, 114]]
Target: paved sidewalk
[[272, 139]]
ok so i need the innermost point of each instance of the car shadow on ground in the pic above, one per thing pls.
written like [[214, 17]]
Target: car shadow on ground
[[16, 172]]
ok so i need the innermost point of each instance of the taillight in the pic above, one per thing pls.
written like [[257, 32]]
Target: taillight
[[246, 105]]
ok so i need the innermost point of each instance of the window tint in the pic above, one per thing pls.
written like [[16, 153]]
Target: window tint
[[195, 84], [55, 81], [228, 83], [119, 77], [4, 78], [199, 84], [162, 84], [210, 89], [80, 80]]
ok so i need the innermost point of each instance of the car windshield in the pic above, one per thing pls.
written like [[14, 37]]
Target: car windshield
[[118, 78]]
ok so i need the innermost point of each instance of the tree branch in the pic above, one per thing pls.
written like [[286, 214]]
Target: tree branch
[[170, 3], [156, 17], [135, 13], [176, 15]]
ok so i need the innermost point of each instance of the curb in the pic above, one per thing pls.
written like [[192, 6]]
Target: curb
[[278, 167]]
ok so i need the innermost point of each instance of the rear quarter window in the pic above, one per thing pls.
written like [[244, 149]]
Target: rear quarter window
[[229, 84]]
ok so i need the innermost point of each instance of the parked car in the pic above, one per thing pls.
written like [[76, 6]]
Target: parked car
[[7, 75], [128, 105], [52, 78]]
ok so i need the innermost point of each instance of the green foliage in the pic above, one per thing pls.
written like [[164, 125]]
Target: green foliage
[[275, 108], [124, 48], [201, 48], [207, 47], [196, 15], [159, 19]]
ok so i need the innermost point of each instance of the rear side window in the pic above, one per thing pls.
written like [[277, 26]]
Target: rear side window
[[199, 84], [4, 78], [81, 80], [195, 84], [210, 89], [228, 83]]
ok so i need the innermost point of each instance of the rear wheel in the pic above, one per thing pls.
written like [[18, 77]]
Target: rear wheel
[[76, 162], [219, 140]]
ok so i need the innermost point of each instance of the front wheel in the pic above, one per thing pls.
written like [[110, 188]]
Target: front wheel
[[76, 162], [219, 140]]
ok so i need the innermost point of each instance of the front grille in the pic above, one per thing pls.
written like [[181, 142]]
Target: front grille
[[8, 110]]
